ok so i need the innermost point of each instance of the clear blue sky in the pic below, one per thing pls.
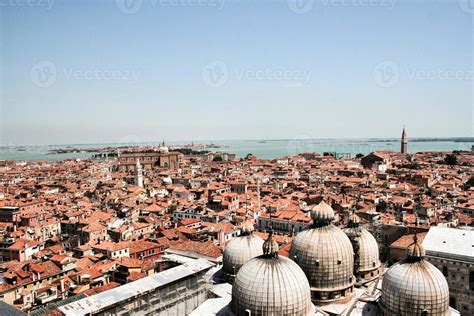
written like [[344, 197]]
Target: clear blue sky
[[108, 71]]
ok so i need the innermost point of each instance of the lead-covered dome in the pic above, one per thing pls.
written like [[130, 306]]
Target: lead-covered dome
[[367, 265], [325, 255], [414, 287], [271, 285], [240, 250]]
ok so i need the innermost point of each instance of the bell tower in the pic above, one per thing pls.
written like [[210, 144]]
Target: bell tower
[[404, 142], [138, 174]]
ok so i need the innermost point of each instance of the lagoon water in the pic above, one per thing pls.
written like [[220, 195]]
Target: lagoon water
[[267, 149]]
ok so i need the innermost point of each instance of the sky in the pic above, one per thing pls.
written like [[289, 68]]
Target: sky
[[97, 71]]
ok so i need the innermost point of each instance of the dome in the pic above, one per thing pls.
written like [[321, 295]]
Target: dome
[[167, 180], [163, 149], [326, 256], [414, 287], [240, 250], [366, 251], [271, 285]]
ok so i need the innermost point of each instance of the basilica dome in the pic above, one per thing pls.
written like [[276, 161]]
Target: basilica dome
[[240, 250], [367, 265], [414, 287], [271, 285], [325, 254]]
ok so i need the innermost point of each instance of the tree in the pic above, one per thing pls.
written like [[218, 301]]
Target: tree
[[469, 183], [217, 158], [359, 155], [249, 156], [451, 160]]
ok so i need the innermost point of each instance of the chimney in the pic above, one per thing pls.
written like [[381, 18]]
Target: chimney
[[221, 238], [61, 285]]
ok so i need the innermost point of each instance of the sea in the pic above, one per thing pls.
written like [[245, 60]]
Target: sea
[[265, 149]]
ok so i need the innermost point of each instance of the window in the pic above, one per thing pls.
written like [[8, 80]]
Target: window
[[452, 302], [445, 271], [471, 280]]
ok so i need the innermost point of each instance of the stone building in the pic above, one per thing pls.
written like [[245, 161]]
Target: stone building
[[149, 160], [452, 252]]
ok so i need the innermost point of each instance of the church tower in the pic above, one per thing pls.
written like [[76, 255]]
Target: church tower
[[404, 142], [138, 174]]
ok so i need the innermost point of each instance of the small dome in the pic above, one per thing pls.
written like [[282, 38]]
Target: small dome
[[238, 251], [167, 180], [322, 213], [271, 285], [414, 288], [366, 253]]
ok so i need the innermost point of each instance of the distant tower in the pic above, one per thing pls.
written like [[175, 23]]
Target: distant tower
[[404, 142], [138, 174]]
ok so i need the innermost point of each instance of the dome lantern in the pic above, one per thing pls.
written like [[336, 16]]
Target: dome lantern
[[270, 246], [322, 214]]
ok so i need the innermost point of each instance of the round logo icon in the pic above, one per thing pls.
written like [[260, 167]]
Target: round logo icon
[[386, 74], [128, 6], [300, 6], [43, 74], [300, 144], [215, 74], [467, 6]]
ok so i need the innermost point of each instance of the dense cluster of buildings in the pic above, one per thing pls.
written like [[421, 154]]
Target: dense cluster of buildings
[[158, 231]]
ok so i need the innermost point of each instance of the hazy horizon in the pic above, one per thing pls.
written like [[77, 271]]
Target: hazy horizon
[[88, 72]]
